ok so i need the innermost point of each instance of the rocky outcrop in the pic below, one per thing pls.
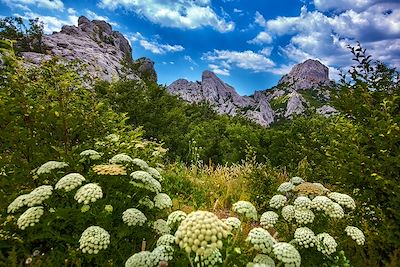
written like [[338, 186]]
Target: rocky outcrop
[[95, 44], [309, 74], [295, 105], [327, 111]]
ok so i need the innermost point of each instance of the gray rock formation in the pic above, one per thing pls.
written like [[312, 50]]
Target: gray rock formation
[[96, 45], [295, 105], [327, 111], [309, 74]]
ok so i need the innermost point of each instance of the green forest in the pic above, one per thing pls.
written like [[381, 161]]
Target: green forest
[[94, 173]]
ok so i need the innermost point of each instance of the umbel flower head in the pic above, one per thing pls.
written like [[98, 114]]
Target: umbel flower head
[[120, 158], [336, 211], [91, 154], [140, 163], [161, 227], [277, 201], [30, 217], [288, 212], [162, 253], [88, 193], [310, 189], [269, 219], [141, 259], [133, 217], [166, 240], [356, 234], [162, 201], [144, 180], [326, 244], [146, 201], [287, 254], [38, 195], [261, 240], [285, 187], [109, 169], [201, 232], [322, 203], [175, 218], [18, 203], [296, 180], [303, 216], [153, 172], [70, 181], [302, 202], [233, 222], [264, 259], [94, 239], [305, 237], [246, 209], [213, 258], [343, 200], [51, 165]]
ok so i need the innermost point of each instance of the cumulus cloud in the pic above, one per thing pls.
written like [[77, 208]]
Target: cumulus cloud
[[93, 16], [218, 70], [184, 14], [24, 4], [341, 5], [154, 46], [261, 38], [50, 23]]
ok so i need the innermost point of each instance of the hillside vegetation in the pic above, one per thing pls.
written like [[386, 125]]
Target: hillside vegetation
[[149, 161]]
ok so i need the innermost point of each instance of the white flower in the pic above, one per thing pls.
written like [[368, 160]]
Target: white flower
[[70, 181], [38, 195], [303, 216], [305, 237], [162, 253], [336, 211], [18, 203], [343, 200], [161, 227], [288, 212], [141, 259], [264, 259], [166, 240], [49, 166], [322, 203], [94, 239], [140, 163], [175, 218], [302, 202], [277, 201], [356, 234], [296, 180], [90, 153], [285, 187], [120, 158], [201, 232], [287, 254], [162, 201], [145, 201], [233, 222], [261, 240], [213, 258], [112, 137], [88, 193], [30, 217], [246, 209], [133, 217], [153, 172], [269, 219], [326, 244], [145, 180]]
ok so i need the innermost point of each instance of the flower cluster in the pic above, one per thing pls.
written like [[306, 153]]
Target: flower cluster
[[305, 237], [51, 165], [175, 218], [213, 258], [166, 240], [120, 158], [269, 219], [336, 211], [162, 201], [94, 239], [162, 253], [326, 244], [296, 180], [310, 189], [70, 182], [109, 169], [18, 203], [143, 179], [264, 259], [356, 234], [133, 217], [88, 193], [261, 240], [141, 259], [285, 187], [30, 217], [277, 201], [343, 200], [140, 163], [161, 227], [146, 201], [287, 254], [246, 209], [302, 202], [153, 172], [112, 137], [322, 203], [201, 232], [91, 154], [303, 216], [38, 195], [288, 212], [233, 222]]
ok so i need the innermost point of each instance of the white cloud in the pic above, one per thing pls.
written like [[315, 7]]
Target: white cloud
[[218, 70], [51, 24], [71, 11], [189, 59], [154, 46], [341, 5], [93, 16], [266, 51], [261, 38], [235, 10], [185, 14], [48, 4]]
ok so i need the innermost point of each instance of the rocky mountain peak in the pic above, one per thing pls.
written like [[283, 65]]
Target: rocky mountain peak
[[306, 75]]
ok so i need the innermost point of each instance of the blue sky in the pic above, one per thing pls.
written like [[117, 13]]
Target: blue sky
[[249, 44]]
